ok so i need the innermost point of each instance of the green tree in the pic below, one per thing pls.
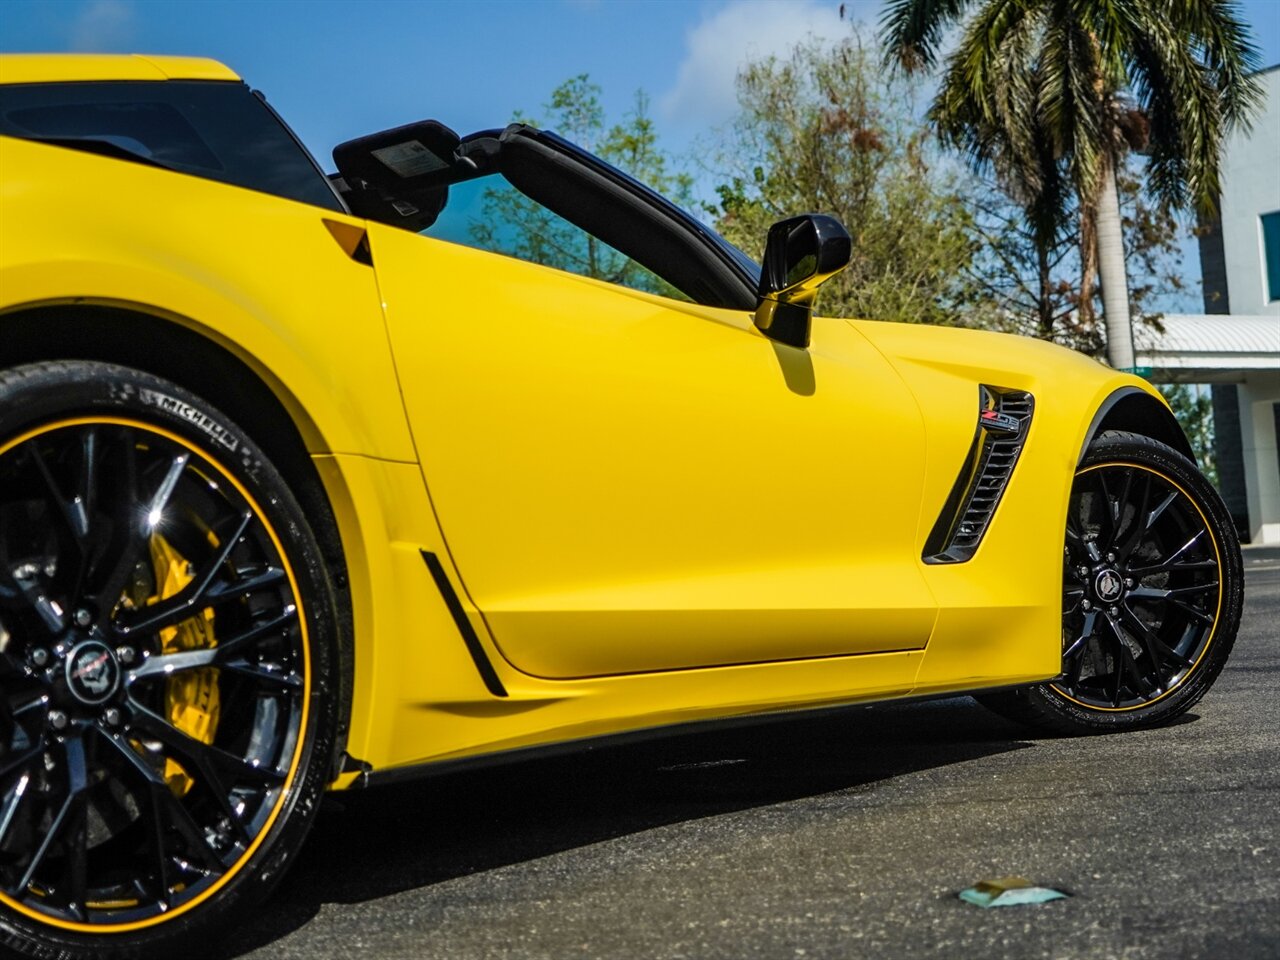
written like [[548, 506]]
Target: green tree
[[1039, 90], [1193, 407], [824, 129], [1035, 279], [511, 223]]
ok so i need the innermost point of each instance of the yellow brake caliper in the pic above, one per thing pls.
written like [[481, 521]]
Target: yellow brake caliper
[[191, 697]]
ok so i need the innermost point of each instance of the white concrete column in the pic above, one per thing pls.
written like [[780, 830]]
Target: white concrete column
[[1261, 467]]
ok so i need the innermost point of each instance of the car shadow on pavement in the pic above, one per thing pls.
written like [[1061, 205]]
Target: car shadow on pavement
[[376, 843]]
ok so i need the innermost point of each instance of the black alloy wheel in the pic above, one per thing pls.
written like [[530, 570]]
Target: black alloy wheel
[[1152, 591], [159, 664]]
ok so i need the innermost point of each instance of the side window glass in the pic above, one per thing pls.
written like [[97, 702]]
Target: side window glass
[[490, 214], [216, 130], [155, 131]]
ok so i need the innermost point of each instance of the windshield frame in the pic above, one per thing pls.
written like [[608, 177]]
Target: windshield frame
[[742, 264]]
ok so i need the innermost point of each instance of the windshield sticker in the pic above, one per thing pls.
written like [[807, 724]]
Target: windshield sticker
[[410, 159]]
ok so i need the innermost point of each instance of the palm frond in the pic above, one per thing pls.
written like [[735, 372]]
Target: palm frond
[[1073, 98], [1194, 70], [1216, 30], [911, 30]]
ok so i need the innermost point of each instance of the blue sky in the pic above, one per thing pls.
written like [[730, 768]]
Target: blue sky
[[336, 70], [340, 69]]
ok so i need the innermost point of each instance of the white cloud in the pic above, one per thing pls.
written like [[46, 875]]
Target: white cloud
[[103, 26], [721, 45]]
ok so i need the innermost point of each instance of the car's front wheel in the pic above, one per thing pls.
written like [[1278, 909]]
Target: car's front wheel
[[166, 637], [1152, 593]]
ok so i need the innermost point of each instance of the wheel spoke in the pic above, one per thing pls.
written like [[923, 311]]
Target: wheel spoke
[[1155, 594], [165, 664], [1161, 595], [1184, 565], [68, 813], [1158, 511], [267, 628], [214, 762], [1117, 679], [39, 855], [201, 592], [89, 476], [1125, 659], [166, 809], [12, 767], [264, 674], [184, 604], [160, 500], [217, 769], [1193, 589], [73, 509], [1156, 648], [170, 663], [127, 545], [1198, 615], [1111, 509], [9, 812], [1139, 528], [1120, 503], [15, 705], [24, 586], [1173, 558], [1073, 656], [1141, 684], [136, 520], [75, 842], [158, 829]]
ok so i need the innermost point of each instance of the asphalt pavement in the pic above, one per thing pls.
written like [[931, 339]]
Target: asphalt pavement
[[845, 835]]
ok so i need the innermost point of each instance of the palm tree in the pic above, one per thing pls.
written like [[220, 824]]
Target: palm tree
[[1044, 91]]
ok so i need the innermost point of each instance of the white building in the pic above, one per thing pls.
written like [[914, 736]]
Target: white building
[[1240, 352]]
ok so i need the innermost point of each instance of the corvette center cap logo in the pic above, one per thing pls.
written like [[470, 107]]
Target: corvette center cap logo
[[92, 672], [1108, 585]]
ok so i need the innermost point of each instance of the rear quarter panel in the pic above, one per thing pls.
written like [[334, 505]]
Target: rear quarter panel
[[253, 272]]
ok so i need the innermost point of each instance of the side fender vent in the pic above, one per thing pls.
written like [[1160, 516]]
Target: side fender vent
[[1004, 417]]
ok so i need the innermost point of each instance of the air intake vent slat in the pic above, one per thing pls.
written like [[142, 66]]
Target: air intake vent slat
[[981, 483]]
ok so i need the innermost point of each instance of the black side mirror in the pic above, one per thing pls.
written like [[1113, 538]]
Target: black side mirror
[[399, 176], [800, 254]]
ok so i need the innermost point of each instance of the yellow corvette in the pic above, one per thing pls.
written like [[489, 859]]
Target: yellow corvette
[[296, 494]]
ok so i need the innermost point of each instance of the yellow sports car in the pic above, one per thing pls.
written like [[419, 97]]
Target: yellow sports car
[[298, 495]]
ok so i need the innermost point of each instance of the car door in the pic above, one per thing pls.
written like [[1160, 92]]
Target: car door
[[630, 484]]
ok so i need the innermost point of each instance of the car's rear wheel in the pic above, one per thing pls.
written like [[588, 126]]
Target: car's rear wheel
[[1152, 593], [166, 644]]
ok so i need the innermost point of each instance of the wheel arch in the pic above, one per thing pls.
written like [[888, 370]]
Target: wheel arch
[[132, 336], [1134, 410]]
